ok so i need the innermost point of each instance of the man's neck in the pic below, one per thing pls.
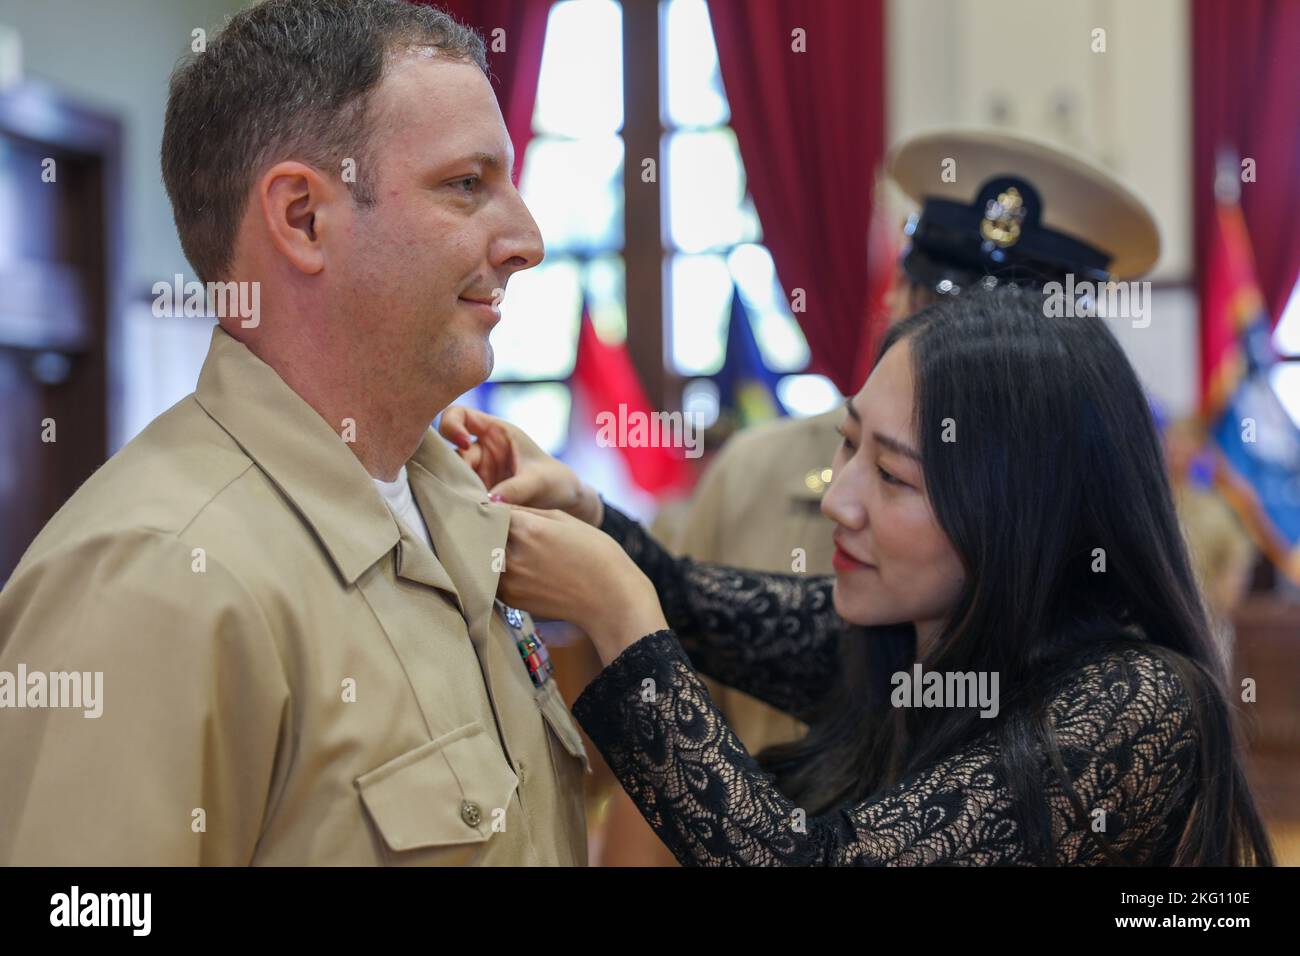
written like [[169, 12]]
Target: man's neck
[[385, 457], [380, 425]]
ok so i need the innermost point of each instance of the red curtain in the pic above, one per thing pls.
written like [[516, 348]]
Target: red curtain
[[811, 131], [1246, 98], [516, 68]]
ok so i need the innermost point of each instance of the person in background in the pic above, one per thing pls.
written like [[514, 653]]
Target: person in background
[[1223, 554]]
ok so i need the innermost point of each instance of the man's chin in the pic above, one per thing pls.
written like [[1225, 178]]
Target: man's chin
[[480, 368], [465, 365]]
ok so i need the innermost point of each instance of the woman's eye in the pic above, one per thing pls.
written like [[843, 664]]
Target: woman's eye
[[888, 478], [844, 441]]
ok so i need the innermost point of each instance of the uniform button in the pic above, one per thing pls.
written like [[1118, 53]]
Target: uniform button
[[470, 813]]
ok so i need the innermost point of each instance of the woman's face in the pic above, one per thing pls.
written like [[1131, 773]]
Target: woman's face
[[893, 563]]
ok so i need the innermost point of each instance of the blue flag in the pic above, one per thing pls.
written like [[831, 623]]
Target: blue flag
[[1258, 442], [746, 387]]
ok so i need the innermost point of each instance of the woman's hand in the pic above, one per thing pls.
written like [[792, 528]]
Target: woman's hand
[[560, 568], [514, 469]]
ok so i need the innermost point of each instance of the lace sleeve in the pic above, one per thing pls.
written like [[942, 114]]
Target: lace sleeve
[[772, 636], [1124, 730]]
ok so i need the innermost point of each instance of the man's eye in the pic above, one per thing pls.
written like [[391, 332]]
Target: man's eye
[[467, 185]]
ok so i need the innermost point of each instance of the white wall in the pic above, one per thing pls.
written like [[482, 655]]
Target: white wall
[[116, 57], [1028, 66]]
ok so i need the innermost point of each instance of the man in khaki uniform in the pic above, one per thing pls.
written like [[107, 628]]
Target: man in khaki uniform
[[290, 675], [281, 594], [760, 499]]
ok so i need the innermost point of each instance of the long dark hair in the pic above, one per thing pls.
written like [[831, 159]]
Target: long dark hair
[[1056, 455]]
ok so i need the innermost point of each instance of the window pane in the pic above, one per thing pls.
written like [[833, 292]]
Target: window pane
[[540, 410], [1285, 379], [607, 297], [574, 189], [692, 81], [1286, 337], [700, 301], [808, 394], [700, 400], [780, 340], [538, 333], [580, 87], [707, 207]]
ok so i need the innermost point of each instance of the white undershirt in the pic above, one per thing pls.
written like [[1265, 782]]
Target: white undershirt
[[398, 496]]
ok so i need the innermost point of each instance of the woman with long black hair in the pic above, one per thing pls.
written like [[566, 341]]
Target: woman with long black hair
[[1002, 516]]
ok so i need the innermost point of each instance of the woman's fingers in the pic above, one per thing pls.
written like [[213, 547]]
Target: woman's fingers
[[475, 458], [452, 426], [461, 424], [493, 437], [510, 490], [540, 511], [483, 425], [543, 515], [483, 441]]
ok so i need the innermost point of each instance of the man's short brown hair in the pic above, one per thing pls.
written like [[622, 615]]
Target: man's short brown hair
[[286, 79]]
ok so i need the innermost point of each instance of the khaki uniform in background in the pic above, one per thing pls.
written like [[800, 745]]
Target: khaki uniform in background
[[289, 675], [759, 500]]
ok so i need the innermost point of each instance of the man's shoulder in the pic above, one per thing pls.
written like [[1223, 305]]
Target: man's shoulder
[[795, 443], [157, 484]]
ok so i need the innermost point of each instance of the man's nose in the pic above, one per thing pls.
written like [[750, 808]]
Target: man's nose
[[520, 246]]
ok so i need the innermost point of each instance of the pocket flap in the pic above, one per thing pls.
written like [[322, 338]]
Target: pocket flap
[[562, 722], [445, 791]]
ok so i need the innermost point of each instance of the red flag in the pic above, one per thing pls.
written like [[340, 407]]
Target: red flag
[[605, 383], [1232, 300]]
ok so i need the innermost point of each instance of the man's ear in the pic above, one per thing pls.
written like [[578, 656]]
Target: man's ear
[[297, 205]]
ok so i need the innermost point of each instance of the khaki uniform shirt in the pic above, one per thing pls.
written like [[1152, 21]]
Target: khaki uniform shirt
[[289, 675], [759, 500]]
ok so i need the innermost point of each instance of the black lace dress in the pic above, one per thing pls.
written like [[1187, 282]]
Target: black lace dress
[[1122, 721]]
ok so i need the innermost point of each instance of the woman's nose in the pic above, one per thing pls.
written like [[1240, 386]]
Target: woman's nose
[[842, 504]]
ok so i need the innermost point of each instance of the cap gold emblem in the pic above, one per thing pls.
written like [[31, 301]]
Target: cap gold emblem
[[1002, 218]]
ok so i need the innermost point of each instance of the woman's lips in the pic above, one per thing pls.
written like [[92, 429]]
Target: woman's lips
[[844, 562]]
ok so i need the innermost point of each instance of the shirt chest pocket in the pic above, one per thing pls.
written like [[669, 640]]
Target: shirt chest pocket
[[437, 804], [563, 727]]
